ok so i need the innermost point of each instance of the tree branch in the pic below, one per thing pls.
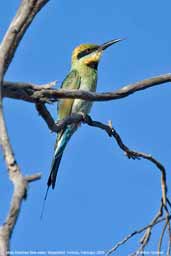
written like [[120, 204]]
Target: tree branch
[[79, 117], [33, 93], [136, 232], [20, 192], [24, 16]]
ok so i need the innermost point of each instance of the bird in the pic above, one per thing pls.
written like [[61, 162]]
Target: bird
[[82, 76]]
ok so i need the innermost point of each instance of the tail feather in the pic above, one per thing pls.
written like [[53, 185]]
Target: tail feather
[[52, 178], [54, 170], [60, 146]]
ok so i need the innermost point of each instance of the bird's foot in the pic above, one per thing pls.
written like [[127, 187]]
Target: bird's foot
[[132, 154], [85, 118]]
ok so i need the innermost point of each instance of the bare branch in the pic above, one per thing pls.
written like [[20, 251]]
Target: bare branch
[[79, 117], [136, 232], [25, 14], [161, 236], [33, 177], [19, 193], [25, 91], [144, 240], [33, 93], [169, 248], [146, 237], [45, 114]]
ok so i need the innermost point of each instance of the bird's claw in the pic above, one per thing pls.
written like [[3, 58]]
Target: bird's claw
[[132, 154], [86, 118]]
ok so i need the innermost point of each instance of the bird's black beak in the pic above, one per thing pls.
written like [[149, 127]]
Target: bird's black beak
[[109, 43]]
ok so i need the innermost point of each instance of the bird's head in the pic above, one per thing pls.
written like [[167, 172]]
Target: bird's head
[[90, 54]]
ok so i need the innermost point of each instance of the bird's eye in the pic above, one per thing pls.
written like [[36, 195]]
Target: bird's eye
[[86, 52]]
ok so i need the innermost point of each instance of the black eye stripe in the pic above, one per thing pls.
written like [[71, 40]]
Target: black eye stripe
[[86, 52]]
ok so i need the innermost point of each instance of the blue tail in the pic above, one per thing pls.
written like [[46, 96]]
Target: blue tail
[[60, 146], [54, 169], [62, 141]]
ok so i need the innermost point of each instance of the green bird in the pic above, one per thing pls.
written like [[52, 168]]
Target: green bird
[[82, 76]]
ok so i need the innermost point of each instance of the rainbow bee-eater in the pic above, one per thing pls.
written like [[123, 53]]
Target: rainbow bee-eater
[[82, 76]]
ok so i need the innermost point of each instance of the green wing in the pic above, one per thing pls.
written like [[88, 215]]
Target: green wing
[[72, 81]]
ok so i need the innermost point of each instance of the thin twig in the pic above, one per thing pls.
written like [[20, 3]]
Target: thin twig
[[169, 248], [169, 229], [136, 232], [145, 238], [33, 177], [161, 236]]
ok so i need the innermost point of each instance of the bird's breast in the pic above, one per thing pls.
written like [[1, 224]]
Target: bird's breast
[[87, 84]]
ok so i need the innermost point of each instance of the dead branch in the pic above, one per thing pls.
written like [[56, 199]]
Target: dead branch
[[79, 117], [20, 192], [161, 236], [136, 232], [34, 93], [24, 16]]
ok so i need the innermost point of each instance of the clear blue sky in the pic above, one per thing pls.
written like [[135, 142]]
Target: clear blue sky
[[100, 195]]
